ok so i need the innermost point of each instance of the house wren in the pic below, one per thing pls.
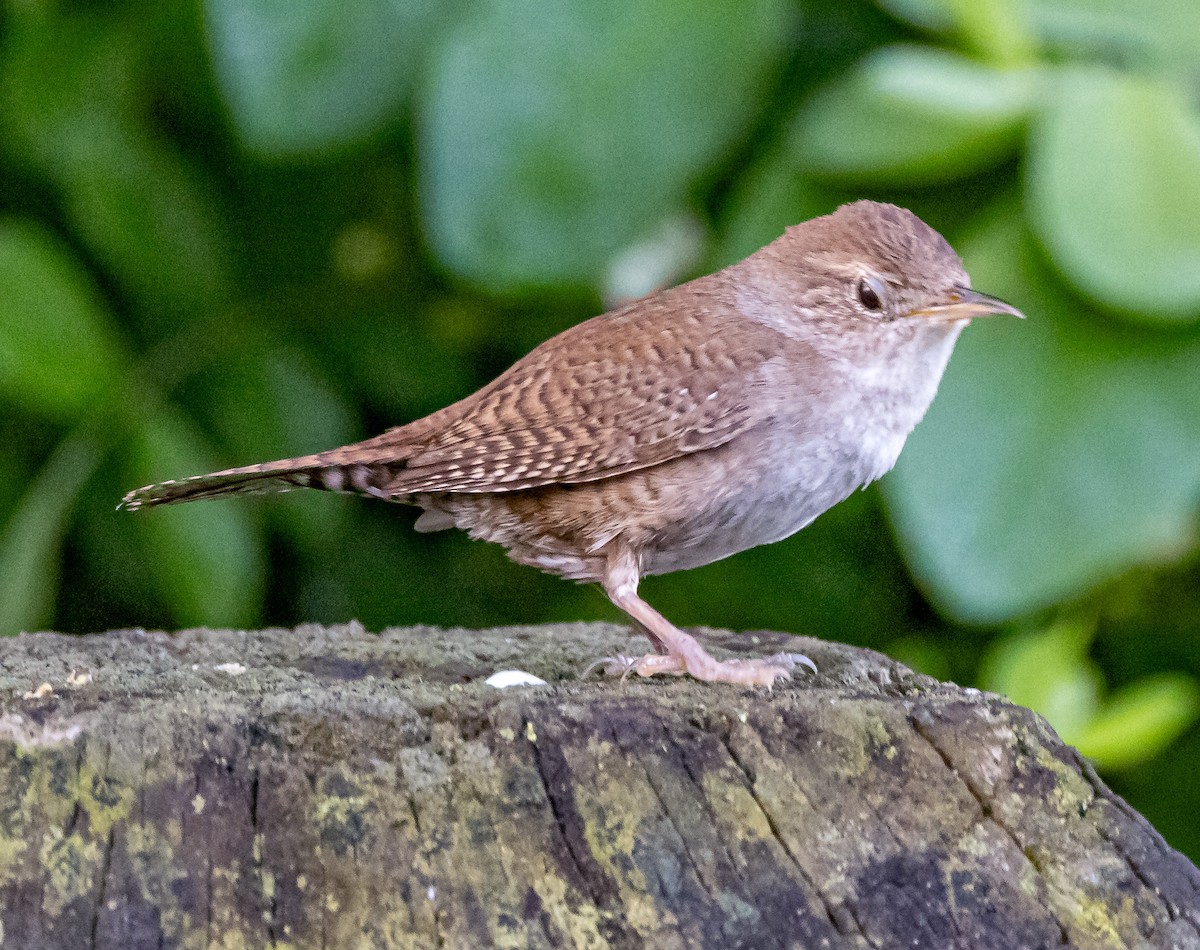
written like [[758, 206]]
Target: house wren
[[681, 428]]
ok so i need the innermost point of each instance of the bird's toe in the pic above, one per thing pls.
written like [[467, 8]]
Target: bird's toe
[[790, 661]]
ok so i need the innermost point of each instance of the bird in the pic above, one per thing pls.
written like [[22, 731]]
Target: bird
[[680, 428]]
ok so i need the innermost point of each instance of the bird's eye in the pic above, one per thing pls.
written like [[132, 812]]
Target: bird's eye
[[870, 293]]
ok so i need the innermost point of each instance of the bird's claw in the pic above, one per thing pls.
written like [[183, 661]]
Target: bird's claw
[[791, 660], [612, 665]]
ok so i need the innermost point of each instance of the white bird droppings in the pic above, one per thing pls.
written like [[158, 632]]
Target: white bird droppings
[[502, 679]]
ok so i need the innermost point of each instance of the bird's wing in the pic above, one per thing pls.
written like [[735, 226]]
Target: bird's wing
[[594, 402], [666, 376]]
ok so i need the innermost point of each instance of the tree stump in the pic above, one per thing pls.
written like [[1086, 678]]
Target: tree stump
[[326, 787]]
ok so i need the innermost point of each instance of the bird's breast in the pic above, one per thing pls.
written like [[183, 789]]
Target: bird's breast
[[770, 483], [772, 490]]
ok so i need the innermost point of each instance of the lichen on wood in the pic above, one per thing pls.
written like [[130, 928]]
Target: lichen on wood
[[327, 787]]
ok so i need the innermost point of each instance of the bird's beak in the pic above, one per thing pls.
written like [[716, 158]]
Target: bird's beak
[[964, 304]]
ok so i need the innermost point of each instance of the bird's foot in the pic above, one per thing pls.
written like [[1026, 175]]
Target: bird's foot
[[756, 672], [649, 665], [698, 663]]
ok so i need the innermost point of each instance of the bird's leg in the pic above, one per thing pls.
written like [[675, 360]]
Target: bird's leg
[[683, 654], [655, 643]]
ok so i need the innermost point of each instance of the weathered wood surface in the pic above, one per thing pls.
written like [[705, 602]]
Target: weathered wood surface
[[324, 787]]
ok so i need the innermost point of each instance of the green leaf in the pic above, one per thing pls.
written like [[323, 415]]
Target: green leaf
[[58, 353], [273, 404], [1060, 451], [937, 16], [70, 110], [1114, 192], [925, 654], [912, 115], [1160, 36], [997, 30], [1141, 720], [149, 221], [32, 537], [301, 77], [1049, 672], [770, 197], [1151, 35], [556, 133], [658, 260], [207, 558]]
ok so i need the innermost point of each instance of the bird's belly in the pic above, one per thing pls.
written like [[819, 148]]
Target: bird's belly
[[771, 507]]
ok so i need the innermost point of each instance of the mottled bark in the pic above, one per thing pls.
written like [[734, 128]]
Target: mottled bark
[[325, 787]]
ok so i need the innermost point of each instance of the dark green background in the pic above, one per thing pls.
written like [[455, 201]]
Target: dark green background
[[247, 229]]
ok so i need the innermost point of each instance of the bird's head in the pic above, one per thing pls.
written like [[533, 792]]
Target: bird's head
[[870, 263]]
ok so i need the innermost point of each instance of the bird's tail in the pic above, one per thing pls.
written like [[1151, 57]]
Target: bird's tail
[[307, 471]]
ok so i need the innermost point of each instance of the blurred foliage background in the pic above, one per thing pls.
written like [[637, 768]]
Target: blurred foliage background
[[234, 230]]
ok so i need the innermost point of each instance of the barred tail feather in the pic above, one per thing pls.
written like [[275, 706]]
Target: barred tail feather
[[311, 471]]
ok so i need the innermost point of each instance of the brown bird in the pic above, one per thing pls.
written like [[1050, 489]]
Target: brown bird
[[681, 428]]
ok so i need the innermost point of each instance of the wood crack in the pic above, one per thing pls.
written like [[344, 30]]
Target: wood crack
[[682, 838], [693, 778], [987, 813], [1100, 793], [570, 834], [102, 896], [836, 918]]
